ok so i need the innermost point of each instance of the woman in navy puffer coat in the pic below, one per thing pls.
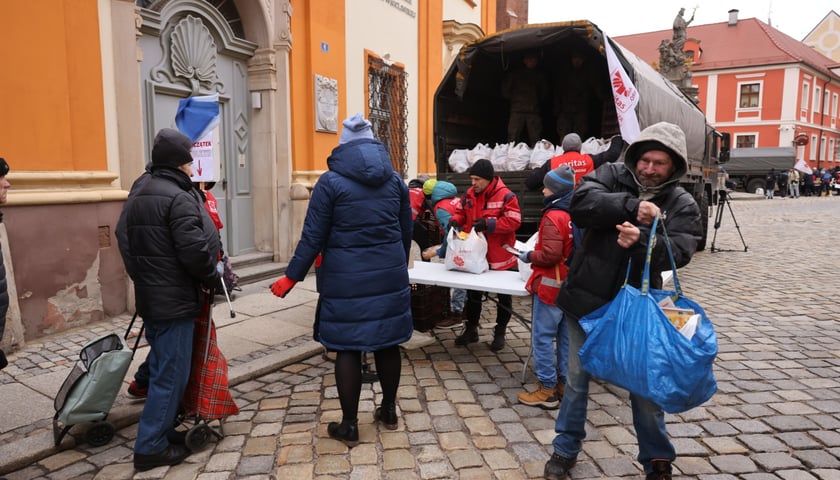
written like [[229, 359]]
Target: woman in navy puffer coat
[[359, 218]]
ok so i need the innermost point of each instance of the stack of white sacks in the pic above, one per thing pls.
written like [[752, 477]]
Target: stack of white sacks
[[514, 157]]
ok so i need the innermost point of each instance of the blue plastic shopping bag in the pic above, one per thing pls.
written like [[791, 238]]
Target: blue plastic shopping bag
[[631, 343]]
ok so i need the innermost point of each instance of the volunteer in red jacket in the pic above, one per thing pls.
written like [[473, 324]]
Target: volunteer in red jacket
[[581, 163], [491, 208]]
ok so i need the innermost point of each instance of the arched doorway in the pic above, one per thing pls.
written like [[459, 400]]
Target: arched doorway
[[192, 48]]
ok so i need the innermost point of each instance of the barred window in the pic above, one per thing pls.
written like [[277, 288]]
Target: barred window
[[387, 109]]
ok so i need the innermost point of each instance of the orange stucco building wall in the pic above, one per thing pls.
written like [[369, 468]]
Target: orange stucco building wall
[[51, 110], [320, 22]]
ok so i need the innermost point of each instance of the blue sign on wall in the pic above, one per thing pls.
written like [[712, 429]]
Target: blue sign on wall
[[325, 47]]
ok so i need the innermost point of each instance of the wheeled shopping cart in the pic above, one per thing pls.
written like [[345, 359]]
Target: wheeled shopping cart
[[89, 391]]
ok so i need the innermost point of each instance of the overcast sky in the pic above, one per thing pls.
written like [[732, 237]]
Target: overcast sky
[[793, 17]]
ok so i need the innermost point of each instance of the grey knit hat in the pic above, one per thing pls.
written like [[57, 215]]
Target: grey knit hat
[[571, 143], [355, 127], [561, 179]]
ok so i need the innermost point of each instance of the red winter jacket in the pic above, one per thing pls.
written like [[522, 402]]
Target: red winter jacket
[[500, 208], [213, 209], [416, 197], [548, 260], [581, 163]]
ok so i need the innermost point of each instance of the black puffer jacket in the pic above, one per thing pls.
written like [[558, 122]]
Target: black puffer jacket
[[608, 197], [173, 246], [4, 293]]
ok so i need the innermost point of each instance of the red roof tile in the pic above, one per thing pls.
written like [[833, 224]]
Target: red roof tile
[[749, 43]]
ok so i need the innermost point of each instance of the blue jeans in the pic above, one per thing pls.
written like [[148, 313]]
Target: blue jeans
[[457, 300], [648, 419], [169, 361], [547, 327]]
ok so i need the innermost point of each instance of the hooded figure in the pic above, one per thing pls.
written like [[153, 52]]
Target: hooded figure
[[616, 205], [359, 218], [610, 196]]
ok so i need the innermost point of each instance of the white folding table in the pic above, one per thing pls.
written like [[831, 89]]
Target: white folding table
[[505, 282]]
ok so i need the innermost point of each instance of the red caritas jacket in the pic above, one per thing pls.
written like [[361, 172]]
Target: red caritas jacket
[[548, 259], [500, 207], [581, 163]]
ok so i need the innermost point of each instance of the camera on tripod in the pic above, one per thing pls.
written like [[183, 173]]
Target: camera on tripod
[[724, 202]]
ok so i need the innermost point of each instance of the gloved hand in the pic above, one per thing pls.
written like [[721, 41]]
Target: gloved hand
[[480, 224], [453, 224], [220, 268], [318, 260], [525, 256], [282, 286]]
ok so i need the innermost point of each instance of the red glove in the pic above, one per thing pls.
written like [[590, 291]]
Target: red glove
[[282, 286], [318, 260]]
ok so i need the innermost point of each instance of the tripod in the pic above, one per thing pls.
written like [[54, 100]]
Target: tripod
[[723, 199]]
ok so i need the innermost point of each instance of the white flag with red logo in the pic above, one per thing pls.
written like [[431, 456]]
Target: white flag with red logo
[[625, 95]]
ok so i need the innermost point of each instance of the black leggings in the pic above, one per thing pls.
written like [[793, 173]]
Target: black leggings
[[348, 378]]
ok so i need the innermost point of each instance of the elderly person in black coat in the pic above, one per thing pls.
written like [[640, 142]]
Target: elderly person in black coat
[[171, 254], [4, 289]]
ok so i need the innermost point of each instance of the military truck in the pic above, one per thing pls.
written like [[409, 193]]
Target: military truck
[[469, 107], [748, 167]]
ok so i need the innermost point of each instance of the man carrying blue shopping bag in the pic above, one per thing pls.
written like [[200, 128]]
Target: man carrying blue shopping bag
[[616, 205]]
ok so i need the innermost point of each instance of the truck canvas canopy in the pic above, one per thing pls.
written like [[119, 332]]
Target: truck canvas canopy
[[470, 90], [750, 160]]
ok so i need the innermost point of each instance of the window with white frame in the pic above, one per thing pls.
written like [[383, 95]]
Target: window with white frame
[[813, 147], [831, 156], [834, 105], [749, 95], [806, 89], [745, 141], [817, 94], [822, 148], [826, 98]]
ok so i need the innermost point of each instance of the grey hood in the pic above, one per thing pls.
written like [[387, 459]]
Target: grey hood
[[659, 136]]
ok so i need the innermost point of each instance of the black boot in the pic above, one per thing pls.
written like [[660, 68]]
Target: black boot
[[661, 470], [498, 342], [387, 414], [346, 431], [470, 335]]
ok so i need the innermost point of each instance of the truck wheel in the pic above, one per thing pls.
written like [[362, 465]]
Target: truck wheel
[[755, 184], [704, 221]]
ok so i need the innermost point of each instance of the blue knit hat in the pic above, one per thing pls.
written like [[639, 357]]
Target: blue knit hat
[[355, 127], [560, 179]]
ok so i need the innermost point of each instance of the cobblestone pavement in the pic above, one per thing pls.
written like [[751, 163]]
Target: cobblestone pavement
[[776, 414]]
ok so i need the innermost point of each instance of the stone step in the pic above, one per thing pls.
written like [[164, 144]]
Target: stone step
[[247, 259], [254, 267]]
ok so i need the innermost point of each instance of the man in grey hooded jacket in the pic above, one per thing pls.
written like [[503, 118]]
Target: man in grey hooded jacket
[[616, 205]]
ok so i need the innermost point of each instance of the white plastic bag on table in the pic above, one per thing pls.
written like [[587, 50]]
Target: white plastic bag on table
[[467, 255], [519, 156], [459, 160], [543, 151], [528, 246]]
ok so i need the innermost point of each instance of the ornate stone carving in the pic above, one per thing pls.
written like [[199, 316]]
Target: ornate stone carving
[[284, 22], [194, 54], [326, 104]]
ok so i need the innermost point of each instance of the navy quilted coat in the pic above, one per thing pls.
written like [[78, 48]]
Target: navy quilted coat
[[359, 216]]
